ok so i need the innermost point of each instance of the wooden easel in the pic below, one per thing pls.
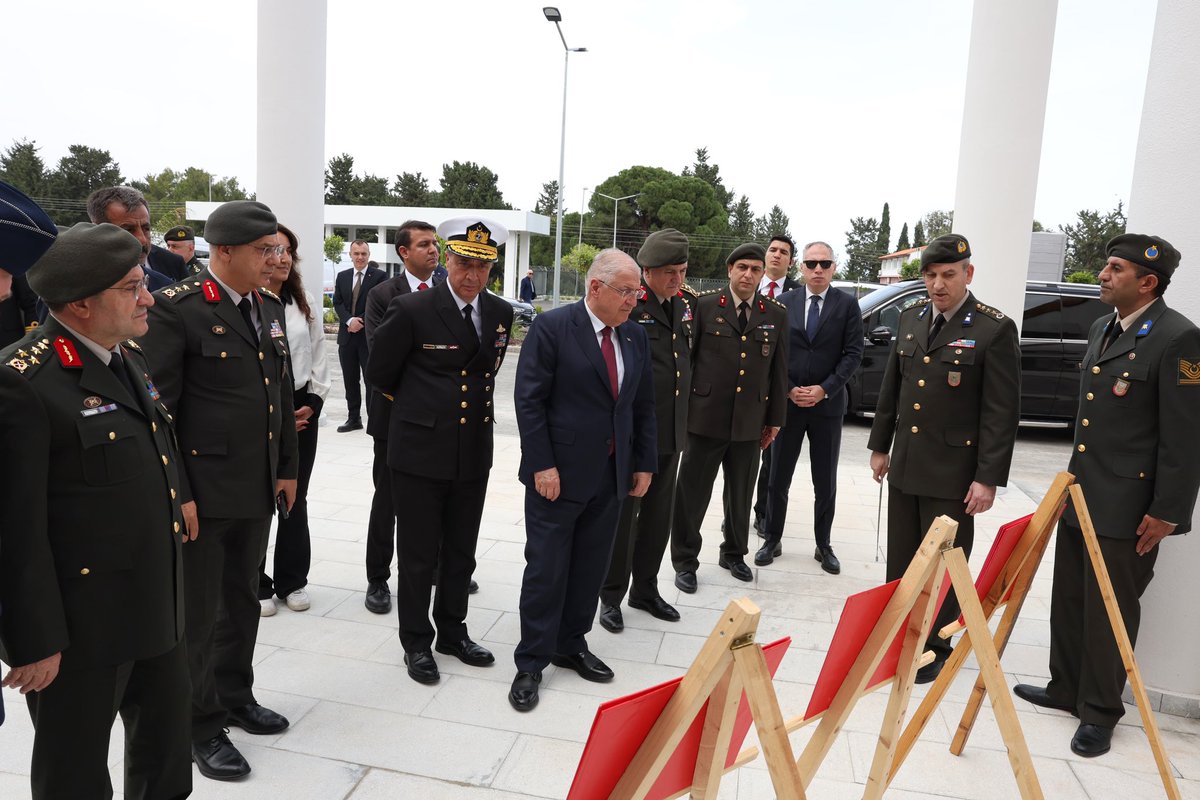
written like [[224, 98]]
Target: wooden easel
[[729, 663]]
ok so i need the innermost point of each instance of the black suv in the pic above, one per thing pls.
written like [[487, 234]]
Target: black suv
[[1054, 332]]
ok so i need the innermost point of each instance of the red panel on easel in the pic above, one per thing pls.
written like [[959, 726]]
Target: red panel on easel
[[622, 724], [997, 558]]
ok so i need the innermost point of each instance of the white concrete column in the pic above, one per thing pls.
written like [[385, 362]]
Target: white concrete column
[[513, 250], [1163, 202], [1001, 145], [291, 123]]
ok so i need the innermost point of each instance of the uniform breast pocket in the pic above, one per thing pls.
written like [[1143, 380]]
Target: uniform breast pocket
[[221, 364], [765, 342], [957, 356], [1128, 378], [718, 336], [109, 449]]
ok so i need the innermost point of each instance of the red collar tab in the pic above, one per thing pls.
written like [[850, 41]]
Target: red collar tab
[[721, 301], [642, 293], [211, 292], [762, 307], [679, 293], [68, 356]]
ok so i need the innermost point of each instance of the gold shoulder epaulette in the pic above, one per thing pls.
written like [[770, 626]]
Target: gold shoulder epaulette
[[924, 301], [689, 290], [710, 291], [178, 290], [132, 345], [271, 295], [775, 301], [991, 312], [24, 360]]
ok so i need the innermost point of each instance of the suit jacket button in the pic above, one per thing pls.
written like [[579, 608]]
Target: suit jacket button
[[968, 442], [487, 374], [487, 419], [740, 372], [464, 373], [224, 354], [677, 393], [674, 336], [195, 453], [85, 571], [915, 429], [678, 374], [172, 494], [743, 338], [270, 408], [743, 355], [464, 387], [1141, 474]]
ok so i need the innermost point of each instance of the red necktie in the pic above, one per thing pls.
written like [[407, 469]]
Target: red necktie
[[422, 286], [610, 357], [771, 291]]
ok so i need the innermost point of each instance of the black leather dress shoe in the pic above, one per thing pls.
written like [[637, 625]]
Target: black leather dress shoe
[[352, 424], [657, 608], [421, 667], [929, 672], [686, 581], [468, 652], [379, 599], [829, 561], [737, 568], [587, 665], [611, 619], [472, 587], [1038, 696], [523, 696], [219, 760], [1090, 741], [253, 718], [768, 553]]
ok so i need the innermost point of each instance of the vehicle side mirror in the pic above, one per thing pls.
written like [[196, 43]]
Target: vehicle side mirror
[[881, 336]]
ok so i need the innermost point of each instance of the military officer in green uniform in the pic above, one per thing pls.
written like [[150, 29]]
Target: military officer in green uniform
[[664, 312], [92, 580], [218, 350], [948, 411], [1137, 434], [737, 406], [181, 240]]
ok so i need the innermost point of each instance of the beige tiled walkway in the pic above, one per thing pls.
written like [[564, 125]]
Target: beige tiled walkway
[[361, 729]]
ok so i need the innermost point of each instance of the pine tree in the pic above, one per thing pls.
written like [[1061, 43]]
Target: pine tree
[[902, 242], [883, 246], [919, 235]]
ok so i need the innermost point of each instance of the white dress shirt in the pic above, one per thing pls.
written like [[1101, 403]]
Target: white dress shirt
[[475, 306]]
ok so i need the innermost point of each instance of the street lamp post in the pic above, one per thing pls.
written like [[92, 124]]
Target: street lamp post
[[615, 201], [582, 211], [553, 15]]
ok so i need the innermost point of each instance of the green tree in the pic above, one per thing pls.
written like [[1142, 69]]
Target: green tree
[[580, 257], [412, 190], [862, 258], [902, 243], [741, 220], [333, 248], [775, 221], [467, 185], [710, 174], [919, 239], [547, 202], [1087, 237], [168, 191], [23, 168], [339, 181], [78, 174], [910, 269], [884, 245], [1082, 276], [1038, 227], [938, 223]]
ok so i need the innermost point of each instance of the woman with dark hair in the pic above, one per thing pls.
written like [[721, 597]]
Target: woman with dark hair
[[310, 373]]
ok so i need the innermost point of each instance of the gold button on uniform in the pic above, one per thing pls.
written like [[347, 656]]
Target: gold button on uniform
[[1084, 422], [224, 354], [1141, 474], [739, 390], [921, 382], [1095, 370], [1091, 396], [261, 356], [176, 527], [1124, 374], [154, 427], [463, 403], [968, 442], [743, 355], [1081, 448], [464, 373], [487, 419], [915, 429], [85, 571], [112, 435], [266, 381], [270, 408], [487, 374], [462, 420], [740, 372], [743, 338], [464, 387], [270, 434], [926, 359], [916, 406], [172, 494], [195, 453], [164, 458]]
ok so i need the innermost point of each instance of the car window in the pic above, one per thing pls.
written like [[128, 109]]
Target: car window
[[1043, 317], [1079, 313], [890, 315]]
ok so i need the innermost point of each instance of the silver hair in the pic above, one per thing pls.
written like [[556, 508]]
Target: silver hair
[[608, 263], [819, 243], [99, 201]]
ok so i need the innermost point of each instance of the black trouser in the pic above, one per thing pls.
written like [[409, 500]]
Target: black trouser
[[701, 460], [73, 719], [568, 545], [825, 444], [1086, 670], [352, 355], [643, 530], [909, 518], [293, 546], [381, 525], [220, 569], [437, 540], [760, 490]]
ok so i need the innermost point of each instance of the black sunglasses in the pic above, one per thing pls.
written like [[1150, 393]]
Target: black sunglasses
[[814, 264]]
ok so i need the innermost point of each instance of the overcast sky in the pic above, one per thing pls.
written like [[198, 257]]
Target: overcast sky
[[827, 109]]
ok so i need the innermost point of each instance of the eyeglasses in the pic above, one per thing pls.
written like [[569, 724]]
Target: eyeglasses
[[625, 293], [134, 290], [267, 251], [822, 264]]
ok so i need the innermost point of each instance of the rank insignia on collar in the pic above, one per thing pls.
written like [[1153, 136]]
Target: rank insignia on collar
[[1145, 328], [968, 320], [641, 293], [1189, 373], [68, 356], [219, 330], [211, 293], [721, 301], [499, 329], [762, 308], [924, 311]]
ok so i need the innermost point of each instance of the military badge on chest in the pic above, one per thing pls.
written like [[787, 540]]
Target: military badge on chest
[[954, 378], [1121, 387]]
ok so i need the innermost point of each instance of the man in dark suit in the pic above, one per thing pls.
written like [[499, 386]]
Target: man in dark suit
[[825, 347], [350, 291], [218, 351], [739, 392], [664, 312], [585, 409], [527, 294], [92, 585], [436, 355], [781, 251], [1136, 441], [948, 411], [126, 208], [416, 244]]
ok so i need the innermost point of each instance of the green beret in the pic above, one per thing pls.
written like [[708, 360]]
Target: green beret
[[84, 260], [947, 249], [752, 250], [1152, 252], [180, 233], [663, 248], [239, 222]]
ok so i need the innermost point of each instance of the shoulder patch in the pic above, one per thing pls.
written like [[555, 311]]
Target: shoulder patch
[[178, 290], [991, 312], [1189, 372]]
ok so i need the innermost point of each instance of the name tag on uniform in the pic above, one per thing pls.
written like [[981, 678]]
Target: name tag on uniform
[[439, 347]]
